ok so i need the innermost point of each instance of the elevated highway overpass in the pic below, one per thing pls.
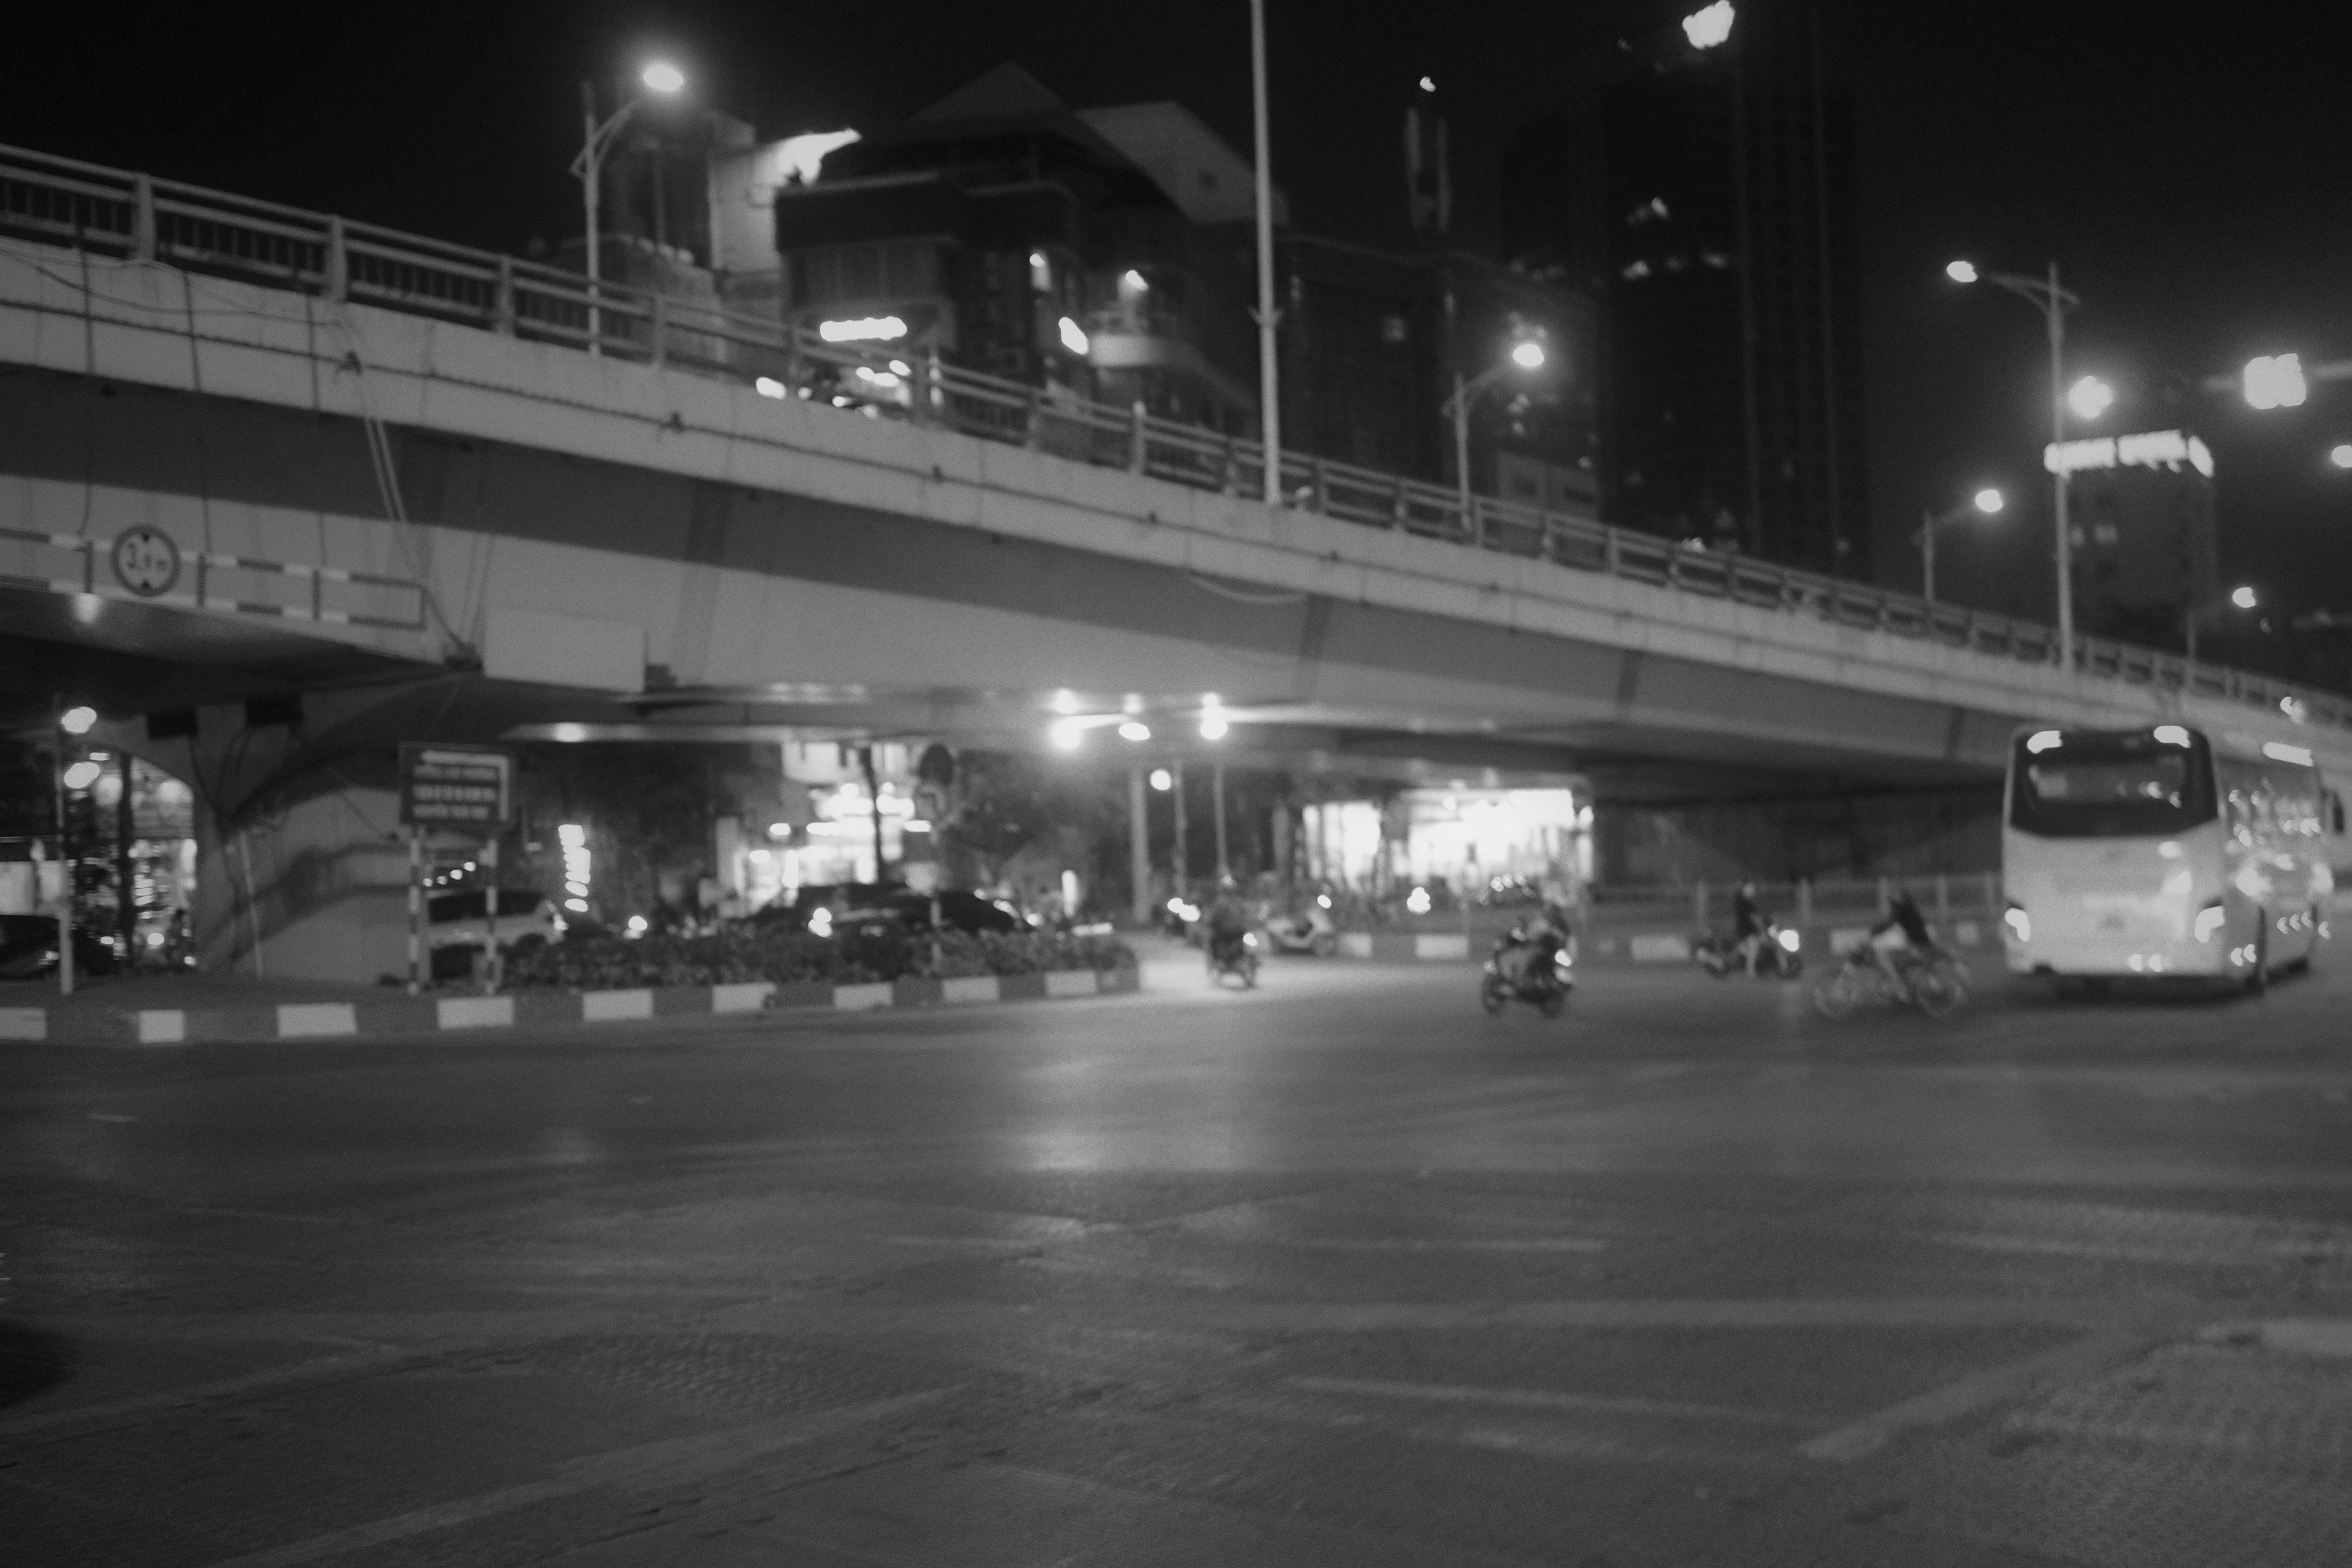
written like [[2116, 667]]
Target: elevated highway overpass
[[427, 521]]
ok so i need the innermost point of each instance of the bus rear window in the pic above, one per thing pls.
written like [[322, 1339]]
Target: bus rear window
[[2109, 785]]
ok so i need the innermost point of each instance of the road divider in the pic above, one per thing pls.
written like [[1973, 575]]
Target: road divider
[[399, 1015]]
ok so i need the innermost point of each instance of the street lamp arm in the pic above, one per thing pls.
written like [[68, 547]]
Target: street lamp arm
[[2036, 290], [1466, 391], [592, 152]]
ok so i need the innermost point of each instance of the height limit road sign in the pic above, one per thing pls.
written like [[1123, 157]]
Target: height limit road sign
[[456, 786]]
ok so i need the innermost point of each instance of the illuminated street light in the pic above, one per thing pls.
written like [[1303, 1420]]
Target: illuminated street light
[[2090, 397], [1135, 730], [83, 774], [1527, 354], [2053, 302], [588, 168], [78, 720], [2275, 381], [1162, 780], [1710, 24], [1073, 337], [2342, 456], [1213, 725], [1985, 502], [2242, 597], [1067, 734]]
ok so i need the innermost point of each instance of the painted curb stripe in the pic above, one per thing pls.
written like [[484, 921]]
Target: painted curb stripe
[[748, 997], [317, 1020], [474, 1013], [303, 1020], [605, 1006], [1437, 945]]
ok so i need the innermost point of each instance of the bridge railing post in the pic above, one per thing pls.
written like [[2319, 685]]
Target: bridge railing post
[[1322, 482], [503, 309], [1397, 504], [1698, 903], [1033, 436], [659, 325], [1138, 437], [1804, 903], [142, 217], [338, 280]]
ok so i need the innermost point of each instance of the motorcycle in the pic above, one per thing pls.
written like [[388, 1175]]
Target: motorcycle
[[1305, 930], [1539, 970], [1776, 958], [1234, 955], [1936, 982]]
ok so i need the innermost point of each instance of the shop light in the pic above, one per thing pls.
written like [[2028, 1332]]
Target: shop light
[[1135, 730], [864, 330], [2044, 741], [1073, 337], [1162, 780], [78, 720], [2171, 735], [768, 386], [1067, 734], [83, 774]]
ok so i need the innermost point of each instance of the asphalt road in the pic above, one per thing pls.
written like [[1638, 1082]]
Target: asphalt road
[[1337, 1271]]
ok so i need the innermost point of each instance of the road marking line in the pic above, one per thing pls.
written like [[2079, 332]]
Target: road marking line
[[1542, 1399], [2084, 1357], [648, 1464], [1833, 1312], [296, 1372], [2330, 1337], [1405, 1244]]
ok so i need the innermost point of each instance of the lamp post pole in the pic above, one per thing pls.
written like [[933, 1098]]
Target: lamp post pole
[[2050, 298], [1270, 383], [591, 169], [1927, 555], [2054, 307], [65, 860]]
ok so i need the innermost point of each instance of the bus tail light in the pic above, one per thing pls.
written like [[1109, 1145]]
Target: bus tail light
[[2019, 923], [2210, 919]]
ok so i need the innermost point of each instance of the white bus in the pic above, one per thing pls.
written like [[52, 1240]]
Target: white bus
[[2164, 851]]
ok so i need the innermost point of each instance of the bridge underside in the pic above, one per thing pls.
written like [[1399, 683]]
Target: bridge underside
[[737, 613]]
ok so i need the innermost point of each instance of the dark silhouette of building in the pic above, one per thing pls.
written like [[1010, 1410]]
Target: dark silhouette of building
[[1699, 186], [1371, 348]]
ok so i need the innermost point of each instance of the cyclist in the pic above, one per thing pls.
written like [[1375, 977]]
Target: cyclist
[[1900, 941]]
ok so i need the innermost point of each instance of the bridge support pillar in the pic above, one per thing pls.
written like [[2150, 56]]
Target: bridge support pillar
[[302, 871]]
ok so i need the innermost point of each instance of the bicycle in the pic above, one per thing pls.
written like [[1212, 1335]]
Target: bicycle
[[1935, 982]]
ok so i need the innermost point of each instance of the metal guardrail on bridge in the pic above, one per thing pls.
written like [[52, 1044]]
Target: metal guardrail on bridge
[[63, 202]]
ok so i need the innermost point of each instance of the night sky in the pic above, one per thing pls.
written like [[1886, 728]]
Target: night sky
[[2191, 170]]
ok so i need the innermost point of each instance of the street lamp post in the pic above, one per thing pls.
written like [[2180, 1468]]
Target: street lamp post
[[2241, 598], [1270, 383], [596, 141], [1527, 355], [1985, 502], [2053, 303]]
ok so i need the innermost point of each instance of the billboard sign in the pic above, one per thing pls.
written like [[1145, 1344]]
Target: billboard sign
[[460, 787]]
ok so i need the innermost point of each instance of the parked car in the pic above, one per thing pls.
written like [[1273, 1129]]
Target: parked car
[[454, 926], [28, 948], [959, 908], [797, 913]]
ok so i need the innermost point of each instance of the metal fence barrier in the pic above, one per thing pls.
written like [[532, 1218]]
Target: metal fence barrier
[[84, 206]]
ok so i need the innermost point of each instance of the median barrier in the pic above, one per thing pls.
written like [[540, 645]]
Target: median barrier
[[477, 1015]]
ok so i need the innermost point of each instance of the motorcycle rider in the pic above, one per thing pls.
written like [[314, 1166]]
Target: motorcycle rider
[[1900, 939], [1530, 945], [1747, 925], [1228, 923]]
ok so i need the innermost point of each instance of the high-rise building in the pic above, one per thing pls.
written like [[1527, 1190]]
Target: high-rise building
[[1698, 185]]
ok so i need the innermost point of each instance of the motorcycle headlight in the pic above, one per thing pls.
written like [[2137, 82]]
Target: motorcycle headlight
[[1249, 939]]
